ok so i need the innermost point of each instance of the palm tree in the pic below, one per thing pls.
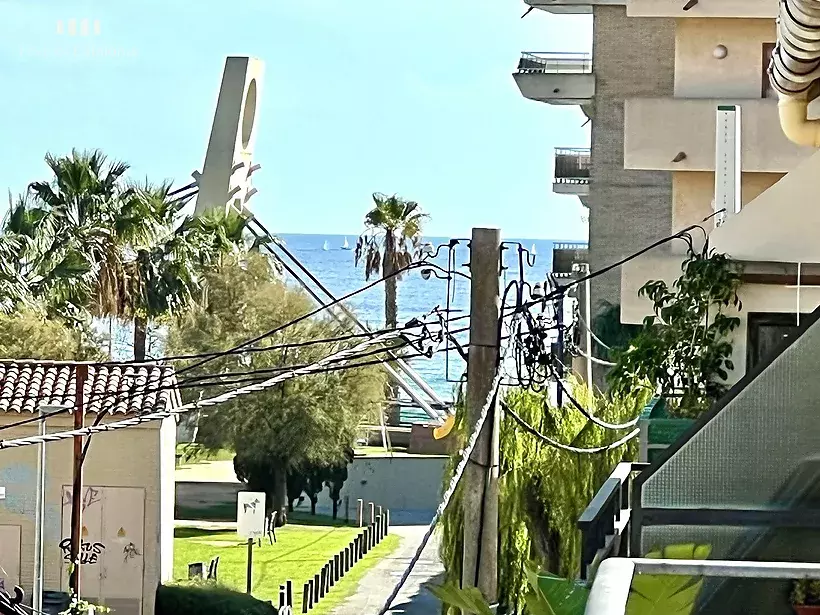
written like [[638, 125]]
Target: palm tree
[[165, 273], [391, 242]]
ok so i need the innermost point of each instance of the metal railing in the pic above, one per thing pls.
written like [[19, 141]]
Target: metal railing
[[604, 524], [572, 165], [610, 591], [555, 62]]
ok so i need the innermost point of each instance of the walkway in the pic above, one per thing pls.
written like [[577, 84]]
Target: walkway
[[377, 584]]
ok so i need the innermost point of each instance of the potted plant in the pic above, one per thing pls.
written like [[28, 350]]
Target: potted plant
[[805, 597]]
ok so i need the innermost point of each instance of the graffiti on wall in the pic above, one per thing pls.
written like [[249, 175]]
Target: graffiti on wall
[[89, 551], [90, 496]]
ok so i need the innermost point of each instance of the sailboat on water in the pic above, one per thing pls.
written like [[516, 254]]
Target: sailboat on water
[[345, 245], [326, 246]]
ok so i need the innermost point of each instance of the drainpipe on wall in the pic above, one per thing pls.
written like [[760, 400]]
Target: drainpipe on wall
[[795, 69]]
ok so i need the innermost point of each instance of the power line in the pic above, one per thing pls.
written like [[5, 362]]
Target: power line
[[453, 484], [566, 447], [342, 355]]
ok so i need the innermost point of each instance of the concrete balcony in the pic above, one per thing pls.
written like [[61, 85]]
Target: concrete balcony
[[660, 130], [556, 78], [761, 9], [567, 256], [571, 171], [572, 7]]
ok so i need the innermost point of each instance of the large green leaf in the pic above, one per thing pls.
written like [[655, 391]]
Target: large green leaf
[[667, 594], [552, 595], [469, 600]]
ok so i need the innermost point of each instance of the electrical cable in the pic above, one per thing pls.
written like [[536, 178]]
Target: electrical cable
[[466, 452], [592, 334], [566, 447], [213, 401], [252, 376], [577, 351], [591, 416]]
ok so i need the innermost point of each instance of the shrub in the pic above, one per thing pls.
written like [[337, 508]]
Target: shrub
[[206, 598]]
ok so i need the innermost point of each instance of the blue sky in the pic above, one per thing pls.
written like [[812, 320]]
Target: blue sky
[[414, 98]]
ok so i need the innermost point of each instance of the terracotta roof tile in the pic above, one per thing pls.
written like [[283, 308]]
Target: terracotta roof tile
[[114, 389]]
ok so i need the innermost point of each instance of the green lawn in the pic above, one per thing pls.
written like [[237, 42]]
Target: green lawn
[[299, 553]]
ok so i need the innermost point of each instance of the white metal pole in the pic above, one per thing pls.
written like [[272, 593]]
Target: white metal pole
[[799, 271], [39, 518], [587, 328]]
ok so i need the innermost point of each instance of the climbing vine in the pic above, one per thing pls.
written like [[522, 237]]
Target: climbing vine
[[543, 490]]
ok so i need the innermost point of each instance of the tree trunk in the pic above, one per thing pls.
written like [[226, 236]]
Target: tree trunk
[[280, 494], [313, 501], [140, 335], [391, 318], [335, 508]]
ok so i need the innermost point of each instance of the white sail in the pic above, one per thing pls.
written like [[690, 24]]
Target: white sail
[[326, 247], [345, 245]]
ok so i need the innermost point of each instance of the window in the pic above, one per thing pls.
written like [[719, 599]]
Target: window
[[766, 88]]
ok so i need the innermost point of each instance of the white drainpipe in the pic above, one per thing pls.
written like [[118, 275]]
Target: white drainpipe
[[795, 69]]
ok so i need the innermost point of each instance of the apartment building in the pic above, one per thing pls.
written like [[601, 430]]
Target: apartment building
[[658, 73]]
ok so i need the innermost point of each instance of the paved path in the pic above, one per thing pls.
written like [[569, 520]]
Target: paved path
[[380, 580]]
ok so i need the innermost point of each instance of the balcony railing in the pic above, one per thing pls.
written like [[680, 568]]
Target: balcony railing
[[572, 165], [604, 524], [565, 256], [554, 62]]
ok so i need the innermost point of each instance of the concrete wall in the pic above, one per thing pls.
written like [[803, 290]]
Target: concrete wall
[[724, 8], [698, 74], [628, 209], [132, 458], [694, 191], [410, 486]]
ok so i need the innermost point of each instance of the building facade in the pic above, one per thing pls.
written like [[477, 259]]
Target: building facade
[[128, 483], [658, 73]]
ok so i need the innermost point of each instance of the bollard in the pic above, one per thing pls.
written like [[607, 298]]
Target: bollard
[[307, 596], [372, 512], [323, 582], [360, 512], [347, 560], [330, 580], [289, 593], [386, 522], [336, 568], [366, 541], [316, 588]]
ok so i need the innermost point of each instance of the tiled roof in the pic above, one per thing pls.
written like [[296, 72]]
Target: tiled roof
[[115, 389]]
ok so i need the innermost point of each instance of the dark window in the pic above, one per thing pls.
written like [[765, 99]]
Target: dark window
[[767, 90], [766, 333]]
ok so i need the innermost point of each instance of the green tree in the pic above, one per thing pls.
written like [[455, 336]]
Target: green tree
[[88, 242], [303, 422], [29, 334], [683, 351]]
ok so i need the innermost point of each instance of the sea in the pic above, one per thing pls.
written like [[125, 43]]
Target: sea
[[325, 258]]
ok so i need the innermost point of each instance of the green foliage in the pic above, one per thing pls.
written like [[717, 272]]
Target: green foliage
[[608, 327], [543, 490], [467, 599], [683, 351], [546, 595], [805, 592], [304, 422], [390, 243], [28, 334], [666, 594], [552, 595], [207, 598]]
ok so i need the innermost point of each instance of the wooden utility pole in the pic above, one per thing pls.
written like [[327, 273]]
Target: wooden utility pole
[[81, 374], [480, 480]]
